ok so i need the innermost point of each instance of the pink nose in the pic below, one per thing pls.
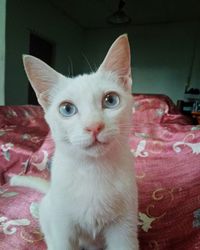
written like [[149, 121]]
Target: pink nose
[[95, 128]]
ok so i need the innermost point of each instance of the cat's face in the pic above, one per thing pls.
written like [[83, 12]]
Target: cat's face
[[89, 113]]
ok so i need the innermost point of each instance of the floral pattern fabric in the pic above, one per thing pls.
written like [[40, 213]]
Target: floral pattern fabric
[[166, 148]]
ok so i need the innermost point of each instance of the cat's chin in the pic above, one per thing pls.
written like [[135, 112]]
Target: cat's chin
[[96, 144], [97, 148]]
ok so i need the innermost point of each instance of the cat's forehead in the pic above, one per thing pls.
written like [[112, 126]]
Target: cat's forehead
[[88, 85]]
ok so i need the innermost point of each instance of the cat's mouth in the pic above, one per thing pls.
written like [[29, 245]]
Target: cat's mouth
[[97, 147], [97, 143]]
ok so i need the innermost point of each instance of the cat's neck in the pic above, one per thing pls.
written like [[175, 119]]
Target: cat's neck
[[113, 156], [71, 164]]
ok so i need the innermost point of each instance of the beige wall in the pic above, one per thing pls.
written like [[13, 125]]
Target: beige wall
[[161, 55], [48, 22]]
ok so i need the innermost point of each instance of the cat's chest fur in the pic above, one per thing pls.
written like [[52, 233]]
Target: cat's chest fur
[[90, 195]]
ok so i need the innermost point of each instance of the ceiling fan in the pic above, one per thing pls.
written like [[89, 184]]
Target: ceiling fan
[[119, 16]]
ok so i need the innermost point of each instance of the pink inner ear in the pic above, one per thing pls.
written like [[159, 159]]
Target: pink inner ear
[[42, 78], [117, 59]]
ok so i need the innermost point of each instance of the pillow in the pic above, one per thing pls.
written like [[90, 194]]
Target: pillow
[[40, 161], [167, 162], [22, 132], [151, 108]]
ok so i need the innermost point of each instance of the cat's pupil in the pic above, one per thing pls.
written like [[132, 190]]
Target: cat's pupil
[[68, 108], [110, 99]]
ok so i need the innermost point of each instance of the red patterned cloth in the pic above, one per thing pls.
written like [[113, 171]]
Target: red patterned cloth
[[166, 147]]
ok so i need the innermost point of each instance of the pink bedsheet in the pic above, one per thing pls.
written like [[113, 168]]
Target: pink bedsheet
[[166, 147]]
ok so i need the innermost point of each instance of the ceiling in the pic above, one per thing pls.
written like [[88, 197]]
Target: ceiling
[[93, 13]]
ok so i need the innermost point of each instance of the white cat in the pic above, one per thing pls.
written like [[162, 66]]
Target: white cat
[[92, 197]]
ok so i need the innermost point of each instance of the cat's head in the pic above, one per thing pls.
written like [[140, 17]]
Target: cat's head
[[89, 113]]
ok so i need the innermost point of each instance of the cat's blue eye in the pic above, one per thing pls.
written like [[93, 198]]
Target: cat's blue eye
[[111, 101], [68, 109]]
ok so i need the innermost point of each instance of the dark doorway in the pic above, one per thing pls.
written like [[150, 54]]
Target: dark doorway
[[43, 50]]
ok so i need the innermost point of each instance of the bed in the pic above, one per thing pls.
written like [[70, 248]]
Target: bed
[[166, 147]]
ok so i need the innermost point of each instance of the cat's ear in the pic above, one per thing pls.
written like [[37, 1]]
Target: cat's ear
[[42, 78], [118, 61]]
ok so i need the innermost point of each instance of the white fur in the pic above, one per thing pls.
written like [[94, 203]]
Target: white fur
[[30, 181], [93, 191]]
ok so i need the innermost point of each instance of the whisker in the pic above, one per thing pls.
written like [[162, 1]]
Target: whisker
[[95, 67], [80, 140], [87, 61], [129, 126], [119, 143], [71, 66], [126, 126]]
